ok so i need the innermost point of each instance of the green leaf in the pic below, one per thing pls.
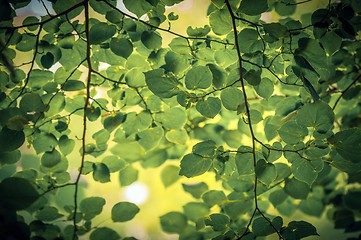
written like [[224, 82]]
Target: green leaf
[[160, 84], [101, 32], [114, 163], [135, 78], [173, 222], [304, 171], [195, 210], [101, 233], [250, 8], [48, 214], [172, 16], [112, 122], [169, 175], [50, 159], [248, 41], [45, 142], [331, 42], [265, 88], [139, 8], [128, 175], [17, 193], [121, 47], [348, 144], [66, 145], [312, 206], [219, 222], [177, 136], [47, 60], [198, 32], [196, 190], [11, 140], [285, 8], [298, 230], [129, 151], [296, 189], [244, 161], [151, 137], [73, 85], [176, 62], [209, 107], [206, 149], [10, 157], [101, 172], [277, 197], [213, 197], [232, 98], [266, 172], [199, 77], [151, 40], [220, 21], [91, 206], [93, 113], [318, 115], [292, 133], [261, 227], [174, 118], [31, 103], [193, 165], [124, 211]]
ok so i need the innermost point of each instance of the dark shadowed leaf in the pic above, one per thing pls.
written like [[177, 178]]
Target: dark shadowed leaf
[[102, 233], [17, 193], [101, 32], [348, 144]]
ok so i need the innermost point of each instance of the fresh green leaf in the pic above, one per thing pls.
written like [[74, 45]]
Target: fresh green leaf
[[91, 206], [209, 107], [232, 98], [193, 165], [101, 172], [199, 77], [124, 211]]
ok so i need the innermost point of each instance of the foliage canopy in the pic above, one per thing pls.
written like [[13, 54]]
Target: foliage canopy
[[271, 109]]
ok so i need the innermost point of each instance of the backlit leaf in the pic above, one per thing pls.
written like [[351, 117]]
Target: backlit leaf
[[193, 165], [198, 77], [209, 107]]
